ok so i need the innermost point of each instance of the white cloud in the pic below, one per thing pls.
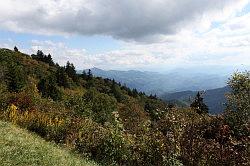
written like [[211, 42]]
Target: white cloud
[[82, 59], [140, 20], [165, 33]]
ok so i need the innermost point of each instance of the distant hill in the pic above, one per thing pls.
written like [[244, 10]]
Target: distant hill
[[214, 98], [157, 83]]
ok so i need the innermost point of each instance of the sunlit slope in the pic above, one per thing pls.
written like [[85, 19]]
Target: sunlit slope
[[19, 147]]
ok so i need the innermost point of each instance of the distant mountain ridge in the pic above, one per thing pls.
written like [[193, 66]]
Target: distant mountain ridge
[[177, 86], [157, 83], [215, 98]]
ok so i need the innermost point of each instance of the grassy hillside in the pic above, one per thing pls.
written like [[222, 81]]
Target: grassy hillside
[[20, 147]]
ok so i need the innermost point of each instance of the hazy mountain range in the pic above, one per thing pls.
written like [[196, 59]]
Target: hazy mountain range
[[178, 86], [215, 98], [160, 83]]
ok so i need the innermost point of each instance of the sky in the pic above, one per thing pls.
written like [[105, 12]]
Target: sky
[[144, 35]]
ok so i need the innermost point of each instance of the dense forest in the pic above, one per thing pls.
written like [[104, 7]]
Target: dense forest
[[115, 125]]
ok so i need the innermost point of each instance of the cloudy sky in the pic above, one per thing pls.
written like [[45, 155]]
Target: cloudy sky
[[130, 34]]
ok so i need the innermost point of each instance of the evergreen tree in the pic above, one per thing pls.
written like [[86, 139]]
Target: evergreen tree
[[70, 70], [89, 75], [198, 105], [153, 96], [61, 77], [16, 49], [47, 86], [90, 81], [116, 91], [49, 60], [40, 55], [16, 77], [84, 75], [134, 93]]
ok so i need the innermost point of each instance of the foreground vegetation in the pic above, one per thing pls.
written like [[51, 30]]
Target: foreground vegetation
[[114, 125], [19, 147]]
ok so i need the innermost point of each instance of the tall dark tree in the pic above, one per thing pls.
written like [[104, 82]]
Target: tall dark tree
[[16, 78], [134, 93], [48, 87], [70, 70], [84, 75], [116, 91], [198, 104], [49, 60], [40, 56], [61, 77], [16, 49], [90, 81], [153, 96], [89, 75]]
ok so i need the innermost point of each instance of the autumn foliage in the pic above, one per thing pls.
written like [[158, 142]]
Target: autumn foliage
[[114, 125]]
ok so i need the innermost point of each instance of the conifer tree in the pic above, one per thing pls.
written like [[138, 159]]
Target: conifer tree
[[48, 87], [89, 75], [16, 49], [49, 60], [116, 91], [16, 78], [134, 93], [61, 77], [198, 104], [70, 70], [84, 75]]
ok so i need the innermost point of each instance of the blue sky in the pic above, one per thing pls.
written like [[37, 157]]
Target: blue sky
[[93, 44], [144, 35]]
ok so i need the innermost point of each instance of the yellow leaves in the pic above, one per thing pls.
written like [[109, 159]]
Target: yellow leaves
[[13, 111], [30, 117]]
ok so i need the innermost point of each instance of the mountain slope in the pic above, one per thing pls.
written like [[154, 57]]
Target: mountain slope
[[19, 147], [94, 116], [214, 98]]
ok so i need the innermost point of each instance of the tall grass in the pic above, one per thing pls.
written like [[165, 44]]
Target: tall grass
[[19, 147]]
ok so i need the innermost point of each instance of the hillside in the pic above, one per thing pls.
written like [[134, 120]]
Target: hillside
[[215, 98], [157, 83], [110, 123], [96, 116], [20, 147]]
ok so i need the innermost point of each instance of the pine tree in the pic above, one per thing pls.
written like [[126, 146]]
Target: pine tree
[[116, 91], [61, 77], [40, 55], [49, 60], [16, 78], [48, 87], [89, 75], [70, 70], [134, 93], [198, 104], [16, 49], [84, 75]]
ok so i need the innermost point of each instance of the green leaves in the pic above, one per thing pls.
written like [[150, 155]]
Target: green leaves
[[16, 77], [238, 113]]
